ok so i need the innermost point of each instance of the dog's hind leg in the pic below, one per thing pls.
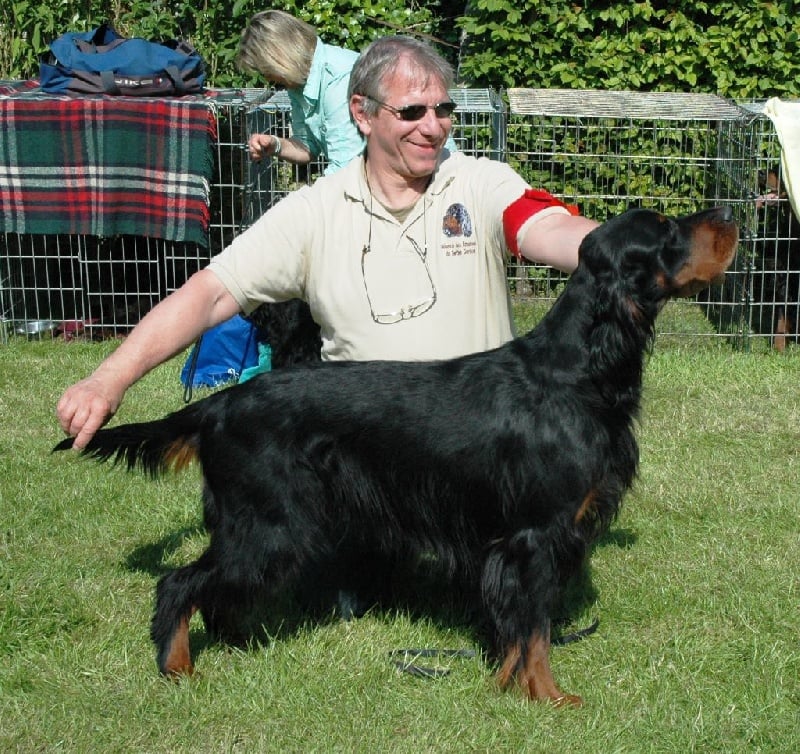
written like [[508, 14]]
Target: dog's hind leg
[[178, 597], [781, 329], [520, 584]]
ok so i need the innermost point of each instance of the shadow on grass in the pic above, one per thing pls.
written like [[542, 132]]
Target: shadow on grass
[[579, 593], [622, 539], [420, 593], [153, 558]]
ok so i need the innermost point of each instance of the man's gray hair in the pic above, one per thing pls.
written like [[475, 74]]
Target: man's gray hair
[[386, 55]]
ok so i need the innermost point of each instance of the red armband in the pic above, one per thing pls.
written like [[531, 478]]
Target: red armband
[[518, 212]]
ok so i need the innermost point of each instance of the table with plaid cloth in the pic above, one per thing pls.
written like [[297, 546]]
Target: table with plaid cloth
[[105, 166]]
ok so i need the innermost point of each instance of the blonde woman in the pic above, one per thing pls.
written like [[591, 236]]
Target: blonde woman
[[287, 52]]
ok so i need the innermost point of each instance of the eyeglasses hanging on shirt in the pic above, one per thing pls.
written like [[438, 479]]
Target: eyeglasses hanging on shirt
[[397, 282]]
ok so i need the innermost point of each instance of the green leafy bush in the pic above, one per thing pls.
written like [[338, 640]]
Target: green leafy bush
[[741, 50], [736, 49], [214, 28]]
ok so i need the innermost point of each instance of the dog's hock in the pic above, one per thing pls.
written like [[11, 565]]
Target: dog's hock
[[177, 659]]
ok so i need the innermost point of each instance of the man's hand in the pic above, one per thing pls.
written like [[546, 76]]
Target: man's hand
[[86, 406]]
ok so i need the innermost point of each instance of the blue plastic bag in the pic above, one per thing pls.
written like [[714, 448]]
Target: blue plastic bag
[[221, 355]]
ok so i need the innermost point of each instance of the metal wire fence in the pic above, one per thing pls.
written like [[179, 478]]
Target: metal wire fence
[[677, 153], [604, 151]]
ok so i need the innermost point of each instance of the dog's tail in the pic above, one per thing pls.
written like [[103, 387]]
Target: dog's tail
[[154, 447]]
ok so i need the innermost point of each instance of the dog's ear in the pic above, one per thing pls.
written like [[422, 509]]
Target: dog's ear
[[630, 236], [633, 258], [592, 251]]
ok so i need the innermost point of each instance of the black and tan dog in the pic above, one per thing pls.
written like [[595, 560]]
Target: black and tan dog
[[776, 280], [506, 465]]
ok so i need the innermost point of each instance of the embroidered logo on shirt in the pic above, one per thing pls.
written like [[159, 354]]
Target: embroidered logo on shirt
[[457, 221]]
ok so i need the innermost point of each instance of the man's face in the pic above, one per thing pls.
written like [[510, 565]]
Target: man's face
[[408, 148]]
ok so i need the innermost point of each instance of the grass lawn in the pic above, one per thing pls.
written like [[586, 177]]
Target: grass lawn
[[697, 588]]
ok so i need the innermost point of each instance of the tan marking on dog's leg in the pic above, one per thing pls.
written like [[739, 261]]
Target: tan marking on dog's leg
[[179, 657], [779, 339], [586, 506], [179, 455], [510, 666], [536, 677]]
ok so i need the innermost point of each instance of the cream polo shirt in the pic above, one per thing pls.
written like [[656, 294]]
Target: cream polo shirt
[[310, 245]]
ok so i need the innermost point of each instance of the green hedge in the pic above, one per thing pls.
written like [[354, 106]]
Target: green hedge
[[740, 50], [214, 27]]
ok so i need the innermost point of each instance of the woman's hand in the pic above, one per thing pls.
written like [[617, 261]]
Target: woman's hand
[[263, 145]]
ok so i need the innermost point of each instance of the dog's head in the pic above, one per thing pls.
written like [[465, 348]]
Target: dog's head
[[769, 181], [648, 257]]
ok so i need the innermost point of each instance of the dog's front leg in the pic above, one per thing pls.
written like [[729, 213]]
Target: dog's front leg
[[781, 330], [519, 584], [530, 665]]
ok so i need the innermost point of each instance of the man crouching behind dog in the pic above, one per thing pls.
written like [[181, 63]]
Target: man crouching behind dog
[[400, 255]]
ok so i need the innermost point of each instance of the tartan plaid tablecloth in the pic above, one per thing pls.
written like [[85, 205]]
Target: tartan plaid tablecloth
[[106, 166]]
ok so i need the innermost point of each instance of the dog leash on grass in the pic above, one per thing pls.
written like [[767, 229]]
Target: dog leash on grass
[[407, 662], [573, 636]]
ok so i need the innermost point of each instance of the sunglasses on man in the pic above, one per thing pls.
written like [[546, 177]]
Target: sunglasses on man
[[417, 112]]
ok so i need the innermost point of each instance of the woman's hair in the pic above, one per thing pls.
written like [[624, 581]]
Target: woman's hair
[[278, 46], [388, 54]]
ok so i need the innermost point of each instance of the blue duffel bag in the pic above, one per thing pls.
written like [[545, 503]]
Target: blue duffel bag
[[102, 62]]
